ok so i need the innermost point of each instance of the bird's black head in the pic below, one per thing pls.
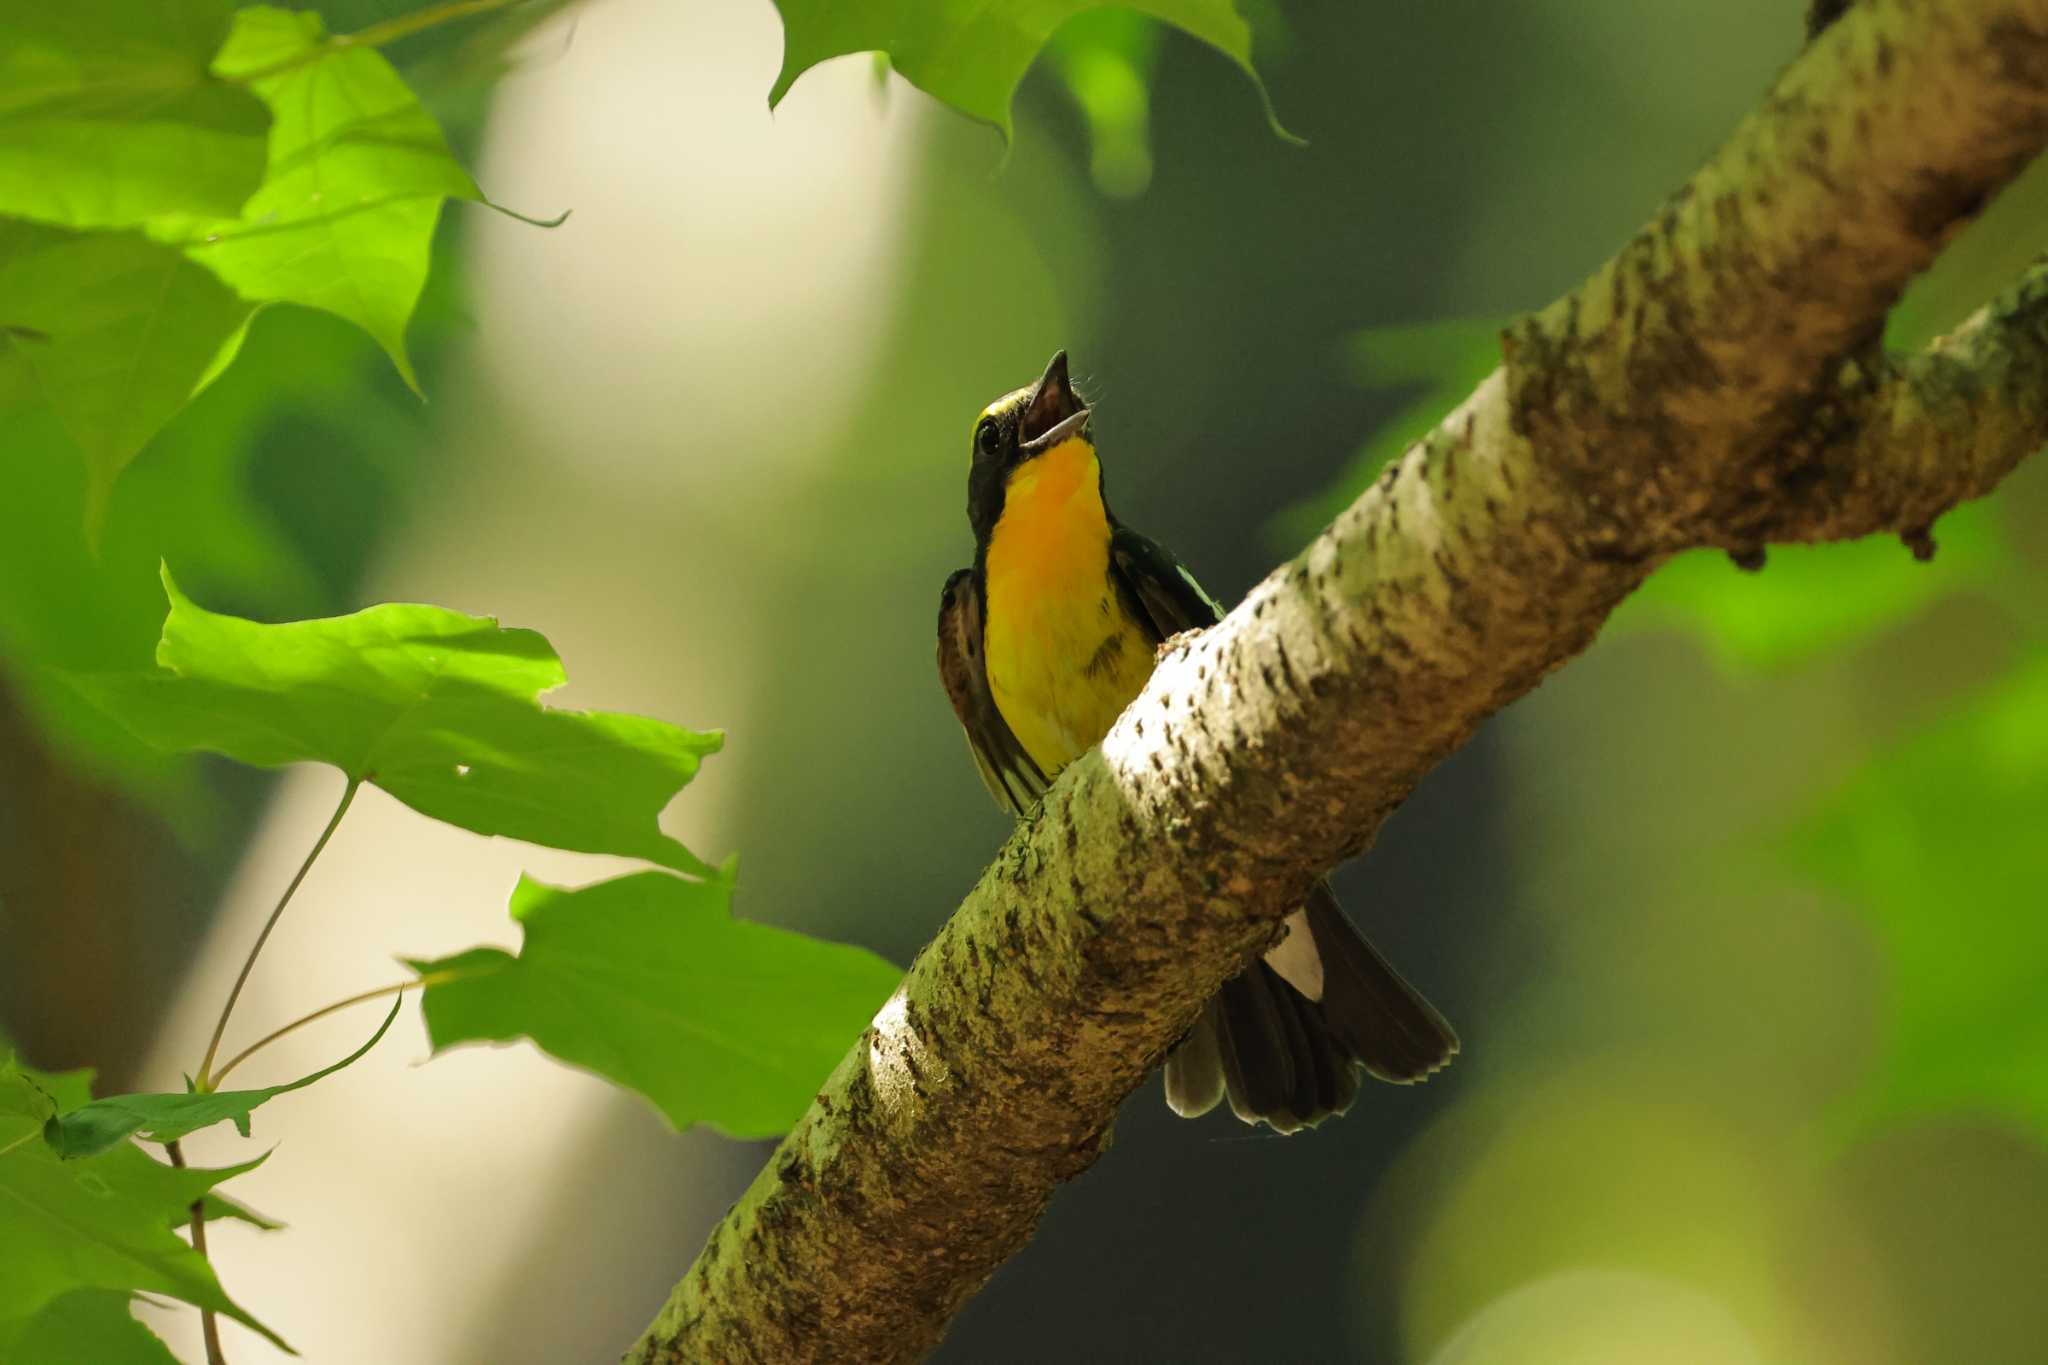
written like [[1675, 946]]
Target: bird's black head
[[1018, 427]]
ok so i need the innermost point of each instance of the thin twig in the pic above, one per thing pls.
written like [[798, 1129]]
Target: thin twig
[[209, 1327], [396, 988], [203, 1081]]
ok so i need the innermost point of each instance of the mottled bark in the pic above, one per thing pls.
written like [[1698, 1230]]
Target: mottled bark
[[1716, 384]]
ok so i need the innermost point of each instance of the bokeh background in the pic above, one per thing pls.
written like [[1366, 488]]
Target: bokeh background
[[1740, 916]]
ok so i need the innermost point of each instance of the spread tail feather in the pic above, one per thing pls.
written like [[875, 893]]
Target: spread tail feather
[[1380, 1019], [1291, 1062], [1194, 1069]]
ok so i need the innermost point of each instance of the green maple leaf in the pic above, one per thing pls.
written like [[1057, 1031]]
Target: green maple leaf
[[439, 709], [109, 115], [101, 1223], [650, 982], [259, 162], [115, 332], [126, 1165], [84, 1325], [357, 174], [973, 53], [191, 498]]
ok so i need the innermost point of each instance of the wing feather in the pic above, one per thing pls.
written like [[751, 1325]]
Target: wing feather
[[1165, 594], [1011, 776]]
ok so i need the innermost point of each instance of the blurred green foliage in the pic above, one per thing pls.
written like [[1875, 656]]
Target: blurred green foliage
[[1939, 839], [1105, 59], [1810, 601]]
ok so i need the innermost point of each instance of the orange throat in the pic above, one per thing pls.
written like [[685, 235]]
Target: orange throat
[[1063, 655]]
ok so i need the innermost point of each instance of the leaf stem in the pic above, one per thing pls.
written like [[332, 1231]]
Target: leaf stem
[[33, 1132], [203, 1082], [377, 35], [209, 1328], [396, 988]]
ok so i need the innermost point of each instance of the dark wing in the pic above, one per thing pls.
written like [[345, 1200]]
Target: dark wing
[[1013, 779], [1157, 588]]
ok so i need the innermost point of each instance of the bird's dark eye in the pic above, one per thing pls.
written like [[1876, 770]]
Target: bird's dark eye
[[988, 437]]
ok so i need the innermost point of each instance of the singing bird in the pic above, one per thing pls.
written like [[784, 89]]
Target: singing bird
[[1043, 641]]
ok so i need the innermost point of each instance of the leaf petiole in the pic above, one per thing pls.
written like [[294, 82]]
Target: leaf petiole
[[204, 1080], [396, 988]]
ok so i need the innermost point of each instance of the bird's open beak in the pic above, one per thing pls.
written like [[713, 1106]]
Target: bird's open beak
[[1055, 412]]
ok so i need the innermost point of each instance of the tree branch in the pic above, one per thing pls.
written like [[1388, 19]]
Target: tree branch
[[1895, 448], [1713, 385]]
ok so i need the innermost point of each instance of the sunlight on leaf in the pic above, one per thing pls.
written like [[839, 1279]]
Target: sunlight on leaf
[[109, 116], [97, 1223], [93, 1127], [357, 173], [973, 54], [1810, 601], [650, 982], [439, 709], [1940, 841]]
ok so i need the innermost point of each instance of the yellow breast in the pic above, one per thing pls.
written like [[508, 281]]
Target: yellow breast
[[1064, 657]]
